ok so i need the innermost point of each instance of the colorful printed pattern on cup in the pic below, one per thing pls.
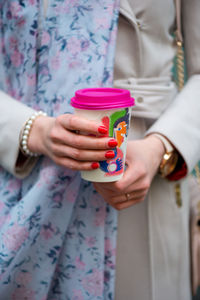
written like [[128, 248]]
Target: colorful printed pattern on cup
[[118, 124]]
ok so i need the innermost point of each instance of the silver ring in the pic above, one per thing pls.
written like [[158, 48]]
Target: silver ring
[[128, 196]]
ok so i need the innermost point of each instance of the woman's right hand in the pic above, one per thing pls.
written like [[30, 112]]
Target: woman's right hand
[[59, 139]]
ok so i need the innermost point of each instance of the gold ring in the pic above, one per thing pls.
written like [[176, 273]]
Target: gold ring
[[128, 196]]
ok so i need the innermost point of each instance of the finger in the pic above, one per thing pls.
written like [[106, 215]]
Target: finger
[[132, 177], [74, 122], [81, 141], [102, 188], [109, 187], [128, 196], [132, 180], [119, 187], [126, 204], [81, 155], [76, 165]]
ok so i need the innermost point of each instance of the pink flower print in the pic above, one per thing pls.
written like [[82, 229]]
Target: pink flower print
[[93, 283], [8, 82], [15, 8], [44, 68], [57, 10], [47, 232], [56, 107], [17, 58], [32, 2], [21, 22], [23, 293], [75, 64], [79, 263], [109, 9], [109, 248], [90, 241], [71, 196], [13, 43], [57, 198], [100, 217], [102, 22], [15, 237], [73, 3], [63, 8], [13, 185], [55, 62], [45, 38], [46, 175], [13, 93], [77, 295], [74, 46], [97, 201], [31, 80], [23, 278]]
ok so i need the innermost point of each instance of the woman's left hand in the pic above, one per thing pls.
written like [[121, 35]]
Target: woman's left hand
[[142, 159]]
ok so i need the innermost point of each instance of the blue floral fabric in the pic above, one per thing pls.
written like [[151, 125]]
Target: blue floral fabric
[[57, 235]]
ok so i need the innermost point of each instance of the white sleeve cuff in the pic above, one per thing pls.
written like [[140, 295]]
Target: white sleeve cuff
[[13, 115]]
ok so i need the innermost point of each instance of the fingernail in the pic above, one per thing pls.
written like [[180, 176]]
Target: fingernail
[[112, 143], [95, 165], [110, 154], [102, 129]]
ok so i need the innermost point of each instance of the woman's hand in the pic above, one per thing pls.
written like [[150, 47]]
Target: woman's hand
[[143, 159], [58, 138]]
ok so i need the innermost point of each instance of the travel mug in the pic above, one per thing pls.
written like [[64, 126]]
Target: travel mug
[[112, 107]]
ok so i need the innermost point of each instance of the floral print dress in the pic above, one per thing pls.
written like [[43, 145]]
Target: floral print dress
[[57, 235]]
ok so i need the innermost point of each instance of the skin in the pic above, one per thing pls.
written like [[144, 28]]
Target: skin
[[142, 159], [57, 139]]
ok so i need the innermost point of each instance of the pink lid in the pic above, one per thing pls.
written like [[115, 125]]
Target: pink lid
[[102, 99]]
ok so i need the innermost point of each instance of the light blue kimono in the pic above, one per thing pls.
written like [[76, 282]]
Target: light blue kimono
[[57, 235]]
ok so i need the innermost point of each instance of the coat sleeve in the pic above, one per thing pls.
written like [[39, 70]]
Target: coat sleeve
[[13, 115], [181, 121]]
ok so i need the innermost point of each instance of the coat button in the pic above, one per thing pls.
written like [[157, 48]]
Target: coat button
[[140, 99], [139, 24]]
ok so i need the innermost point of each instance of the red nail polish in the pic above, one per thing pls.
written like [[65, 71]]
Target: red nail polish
[[95, 165], [110, 154], [112, 143], [102, 129]]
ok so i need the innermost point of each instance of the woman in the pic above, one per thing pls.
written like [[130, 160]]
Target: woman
[[59, 239]]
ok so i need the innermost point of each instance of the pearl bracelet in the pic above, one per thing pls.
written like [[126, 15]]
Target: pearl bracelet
[[25, 132]]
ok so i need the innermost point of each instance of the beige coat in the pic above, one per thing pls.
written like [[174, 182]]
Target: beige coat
[[153, 253], [153, 244]]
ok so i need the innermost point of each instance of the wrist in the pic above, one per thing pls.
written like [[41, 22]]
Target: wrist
[[157, 149], [25, 134], [37, 135], [170, 157]]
